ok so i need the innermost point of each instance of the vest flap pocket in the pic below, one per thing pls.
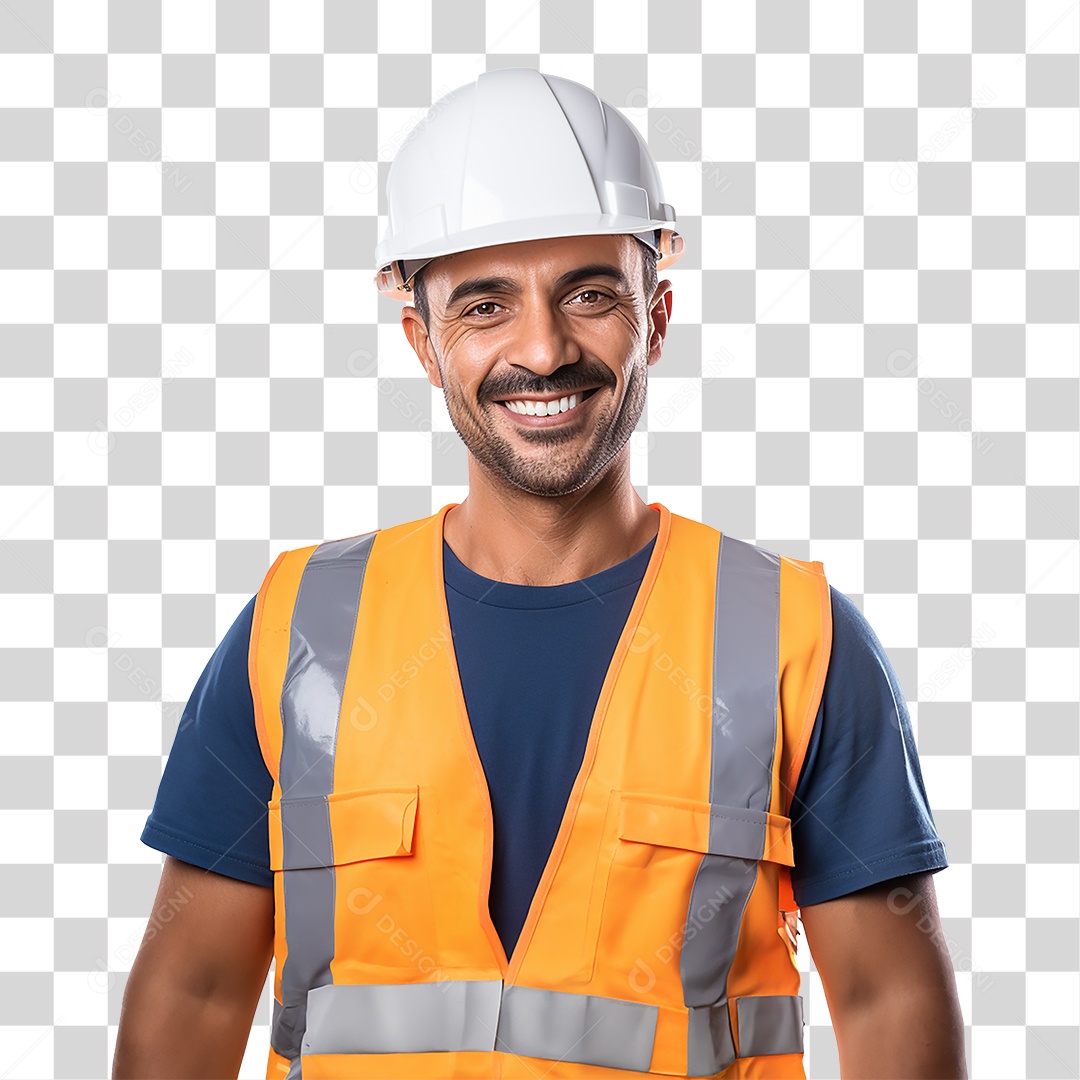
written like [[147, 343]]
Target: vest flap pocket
[[343, 827], [709, 828]]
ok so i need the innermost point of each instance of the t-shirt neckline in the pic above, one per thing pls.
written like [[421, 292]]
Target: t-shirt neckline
[[511, 595]]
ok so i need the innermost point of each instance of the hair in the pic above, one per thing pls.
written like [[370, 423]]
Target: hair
[[649, 279]]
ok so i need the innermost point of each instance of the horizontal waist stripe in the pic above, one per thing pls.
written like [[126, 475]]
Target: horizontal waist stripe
[[770, 1024], [402, 1018], [485, 1015], [577, 1027]]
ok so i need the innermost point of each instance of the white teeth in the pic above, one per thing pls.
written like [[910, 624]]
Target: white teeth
[[543, 408]]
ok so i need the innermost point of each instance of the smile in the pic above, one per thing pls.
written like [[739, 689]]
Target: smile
[[545, 412]]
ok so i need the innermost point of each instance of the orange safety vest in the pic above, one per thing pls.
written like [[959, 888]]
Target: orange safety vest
[[659, 939]]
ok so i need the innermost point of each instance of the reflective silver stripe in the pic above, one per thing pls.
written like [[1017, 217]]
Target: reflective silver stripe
[[770, 1024], [306, 824], [483, 1015], [403, 1018], [736, 831], [746, 642], [710, 1032], [284, 1033], [577, 1027], [320, 641]]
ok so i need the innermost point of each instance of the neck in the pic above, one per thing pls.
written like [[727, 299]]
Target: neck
[[524, 539]]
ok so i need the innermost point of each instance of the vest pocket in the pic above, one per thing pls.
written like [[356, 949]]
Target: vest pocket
[[652, 861], [342, 827], [708, 828], [356, 893]]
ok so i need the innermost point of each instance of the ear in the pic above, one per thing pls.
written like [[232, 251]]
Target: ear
[[659, 318], [420, 340]]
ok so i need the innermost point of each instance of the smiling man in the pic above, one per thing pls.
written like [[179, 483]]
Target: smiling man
[[537, 785]]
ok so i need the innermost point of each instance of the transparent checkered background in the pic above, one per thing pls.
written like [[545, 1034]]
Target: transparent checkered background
[[873, 362]]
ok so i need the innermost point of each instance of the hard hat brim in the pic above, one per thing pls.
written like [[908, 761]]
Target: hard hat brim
[[394, 278]]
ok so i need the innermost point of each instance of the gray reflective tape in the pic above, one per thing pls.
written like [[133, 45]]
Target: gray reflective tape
[[481, 1015], [770, 1024], [283, 1026], [711, 1043], [746, 664], [746, 642], [320, 642], [577, 1027], [408, 1018], [310, 893], [736, 831], [465, 1015], [306, 822]]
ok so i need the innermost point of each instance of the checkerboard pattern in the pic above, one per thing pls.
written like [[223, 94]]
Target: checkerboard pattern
[[873, 362]]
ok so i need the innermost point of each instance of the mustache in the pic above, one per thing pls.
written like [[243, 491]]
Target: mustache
[[565, 386]]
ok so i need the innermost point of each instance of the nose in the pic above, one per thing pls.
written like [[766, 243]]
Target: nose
[[542, 339]]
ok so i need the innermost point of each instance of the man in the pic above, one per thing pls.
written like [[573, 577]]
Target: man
[[540, 781]]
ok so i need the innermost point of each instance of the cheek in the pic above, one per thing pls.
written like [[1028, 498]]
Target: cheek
[[460, 368], [618, 352], [614, 340]]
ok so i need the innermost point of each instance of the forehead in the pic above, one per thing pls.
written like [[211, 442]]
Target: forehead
[[527, 259]]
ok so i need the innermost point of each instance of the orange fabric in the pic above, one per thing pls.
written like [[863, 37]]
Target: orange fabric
[[268, 657], [408, 776], [797, 728], [481, 1066], [271, 751]]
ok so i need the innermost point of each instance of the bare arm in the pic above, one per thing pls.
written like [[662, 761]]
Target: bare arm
[[889, 982], [196, 981]]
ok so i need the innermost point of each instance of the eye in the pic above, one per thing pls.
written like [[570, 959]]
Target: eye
[[600, 297], [483, 303]]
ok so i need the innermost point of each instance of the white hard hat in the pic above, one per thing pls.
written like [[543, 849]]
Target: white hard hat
[[518, 155]]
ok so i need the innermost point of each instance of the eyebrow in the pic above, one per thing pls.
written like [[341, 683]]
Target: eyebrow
[[472, 286]]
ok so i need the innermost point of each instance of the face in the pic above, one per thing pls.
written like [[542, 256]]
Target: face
[[537, 321]]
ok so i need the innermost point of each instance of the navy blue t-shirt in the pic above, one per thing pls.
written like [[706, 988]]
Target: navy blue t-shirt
[[531, 708]]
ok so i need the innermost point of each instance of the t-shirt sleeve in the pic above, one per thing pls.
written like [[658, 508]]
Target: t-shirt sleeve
[[211, 804], [859, 814]]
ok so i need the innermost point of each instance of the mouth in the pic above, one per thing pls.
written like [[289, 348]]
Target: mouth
[[528, 410]]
